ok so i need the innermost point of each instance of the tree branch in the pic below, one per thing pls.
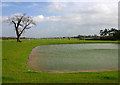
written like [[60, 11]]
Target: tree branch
[[28, 27], [14, 23], [19, 22], [23, 30], [16, 28]]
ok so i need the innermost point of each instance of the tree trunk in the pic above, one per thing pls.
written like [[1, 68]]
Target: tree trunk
[[18, 39]]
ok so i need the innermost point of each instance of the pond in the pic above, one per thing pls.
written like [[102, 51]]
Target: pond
[[74, 58]]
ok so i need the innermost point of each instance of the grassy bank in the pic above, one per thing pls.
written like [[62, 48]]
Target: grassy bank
[[15, 70]]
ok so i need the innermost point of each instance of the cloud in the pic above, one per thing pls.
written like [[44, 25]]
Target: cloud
[[56, 6], [39, 18], [64, 19], [54, 18], [3, 18], [87, 14], [72, 18], [33, 5], [5, 5], [100, 8], [96, 9], [99, 14]]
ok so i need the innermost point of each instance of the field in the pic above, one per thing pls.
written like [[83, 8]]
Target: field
[[15, 70]]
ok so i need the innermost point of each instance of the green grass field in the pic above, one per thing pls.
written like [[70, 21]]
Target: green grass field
[[15, 70]]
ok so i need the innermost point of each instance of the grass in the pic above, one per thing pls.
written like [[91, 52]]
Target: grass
[[15, 70]]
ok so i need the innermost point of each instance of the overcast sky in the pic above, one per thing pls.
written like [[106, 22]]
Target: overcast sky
[[57, 19]]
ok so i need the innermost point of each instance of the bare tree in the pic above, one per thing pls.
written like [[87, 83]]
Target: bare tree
[[21, 23]]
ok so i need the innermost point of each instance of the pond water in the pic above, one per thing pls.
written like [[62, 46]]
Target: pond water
[[74, 58]]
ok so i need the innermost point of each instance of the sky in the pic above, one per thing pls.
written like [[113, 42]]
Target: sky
[[58, 19]]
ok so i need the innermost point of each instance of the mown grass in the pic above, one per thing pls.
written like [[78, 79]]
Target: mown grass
[[15, 70]]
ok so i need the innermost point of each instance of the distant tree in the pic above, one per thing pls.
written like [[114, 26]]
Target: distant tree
[[80, 37], [116, 35], [101, 32], [68, 38], [113, 34], [21, 23], [104, 32]]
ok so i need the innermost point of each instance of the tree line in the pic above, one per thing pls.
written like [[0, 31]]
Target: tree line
[[106, 34], [110, 34]]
